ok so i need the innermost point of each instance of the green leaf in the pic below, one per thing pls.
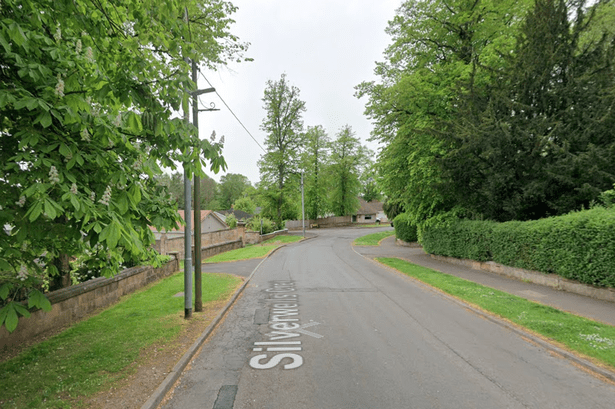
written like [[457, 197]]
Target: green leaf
[[134, 122], [114, 234], [45, 120], [50, 210], [4, 290], [21, 310], [4, 265], [65, 150], [11, 319], [74, 202], [35, 211], [122, 204], [37, 299]]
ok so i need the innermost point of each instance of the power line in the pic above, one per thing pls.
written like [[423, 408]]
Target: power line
[[229, 108]]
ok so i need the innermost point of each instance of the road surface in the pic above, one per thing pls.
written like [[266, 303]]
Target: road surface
[[319, 326]]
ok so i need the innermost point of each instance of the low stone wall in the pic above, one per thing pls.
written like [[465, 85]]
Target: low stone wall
[[209, 251], [335, 221], [274, 234], [72, 304], [549, 280], [168, 244]]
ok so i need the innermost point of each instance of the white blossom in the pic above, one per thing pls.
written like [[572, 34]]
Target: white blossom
[[92, 196], [23, 273], [60, 87], [78, 47], [53, 175], [89, 54], [73, 189], [85, 135], [21, 202], [58, 35], [106, 196]]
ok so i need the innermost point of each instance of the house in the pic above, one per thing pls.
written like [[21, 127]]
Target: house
[[369, 212], [210, 221]]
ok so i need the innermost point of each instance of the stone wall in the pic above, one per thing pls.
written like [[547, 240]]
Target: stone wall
[[72, 304], [175, 245], [336, 221]]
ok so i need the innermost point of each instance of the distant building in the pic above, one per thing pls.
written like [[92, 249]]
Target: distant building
[[369, 212], [210, 221]]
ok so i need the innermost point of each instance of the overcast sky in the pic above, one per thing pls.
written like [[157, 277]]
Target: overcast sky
[[325, 47]]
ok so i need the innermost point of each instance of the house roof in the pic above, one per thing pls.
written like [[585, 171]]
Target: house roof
[[373, 207], [239, 214], [204, 215]]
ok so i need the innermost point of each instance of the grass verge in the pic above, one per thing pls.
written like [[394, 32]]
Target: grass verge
[[242, 254], [578, 334], [95, 354], [373, 239], [285, 239]]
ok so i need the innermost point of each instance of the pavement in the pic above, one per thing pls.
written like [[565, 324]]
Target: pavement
[[598, 310]]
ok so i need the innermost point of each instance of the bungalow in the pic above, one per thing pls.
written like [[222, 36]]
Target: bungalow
[[369, 212], [210, 221]]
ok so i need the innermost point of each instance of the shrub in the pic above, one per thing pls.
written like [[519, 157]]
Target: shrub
[[404, 229], [255, 224], [231, 221], [578, 246]]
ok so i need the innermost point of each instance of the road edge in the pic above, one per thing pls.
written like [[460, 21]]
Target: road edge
[[584, 363], [158, 395]]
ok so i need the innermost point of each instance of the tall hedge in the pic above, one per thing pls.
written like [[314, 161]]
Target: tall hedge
[[578, 246], [404, 229]]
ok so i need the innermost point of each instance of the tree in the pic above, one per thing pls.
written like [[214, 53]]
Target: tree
[[348, 159], [245, 204], [439, 48], [87, 100], [232, 187], [315, 160], [174, 183], [280, 166], [370, 189], [543, 145]]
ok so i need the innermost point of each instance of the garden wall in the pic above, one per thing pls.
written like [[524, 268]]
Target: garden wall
[[72, 304], [337, 221]]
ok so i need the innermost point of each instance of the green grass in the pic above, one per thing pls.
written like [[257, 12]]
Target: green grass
[[283, 239], [373, 239], [241, 254], [94, 354], [582, 335]]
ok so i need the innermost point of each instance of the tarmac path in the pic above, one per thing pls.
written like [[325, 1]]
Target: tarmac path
[[320, 326]]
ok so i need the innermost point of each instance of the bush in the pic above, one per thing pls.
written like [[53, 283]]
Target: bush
[[578, 246], [231, 221], [404, 229], [255, 224]]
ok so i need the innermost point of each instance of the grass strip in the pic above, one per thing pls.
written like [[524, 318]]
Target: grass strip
[[285, 239], [578, 334], [373, 239], [242, 254], [94, 354]]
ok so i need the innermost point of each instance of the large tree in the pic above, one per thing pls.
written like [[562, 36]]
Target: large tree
[[438, 49], [280, 166], [88, 92], [542, 144], [348, 161], [315, 161], [232, 187]]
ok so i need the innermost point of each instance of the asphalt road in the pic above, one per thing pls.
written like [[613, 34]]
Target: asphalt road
[[320, 326]]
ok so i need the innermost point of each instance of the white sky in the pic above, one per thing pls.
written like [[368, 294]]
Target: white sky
[[325, 47]]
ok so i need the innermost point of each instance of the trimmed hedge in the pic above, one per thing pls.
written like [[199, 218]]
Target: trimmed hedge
[[404, 229], [578, 246]]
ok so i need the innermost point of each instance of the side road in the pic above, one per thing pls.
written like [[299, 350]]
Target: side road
[[603, 311]]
